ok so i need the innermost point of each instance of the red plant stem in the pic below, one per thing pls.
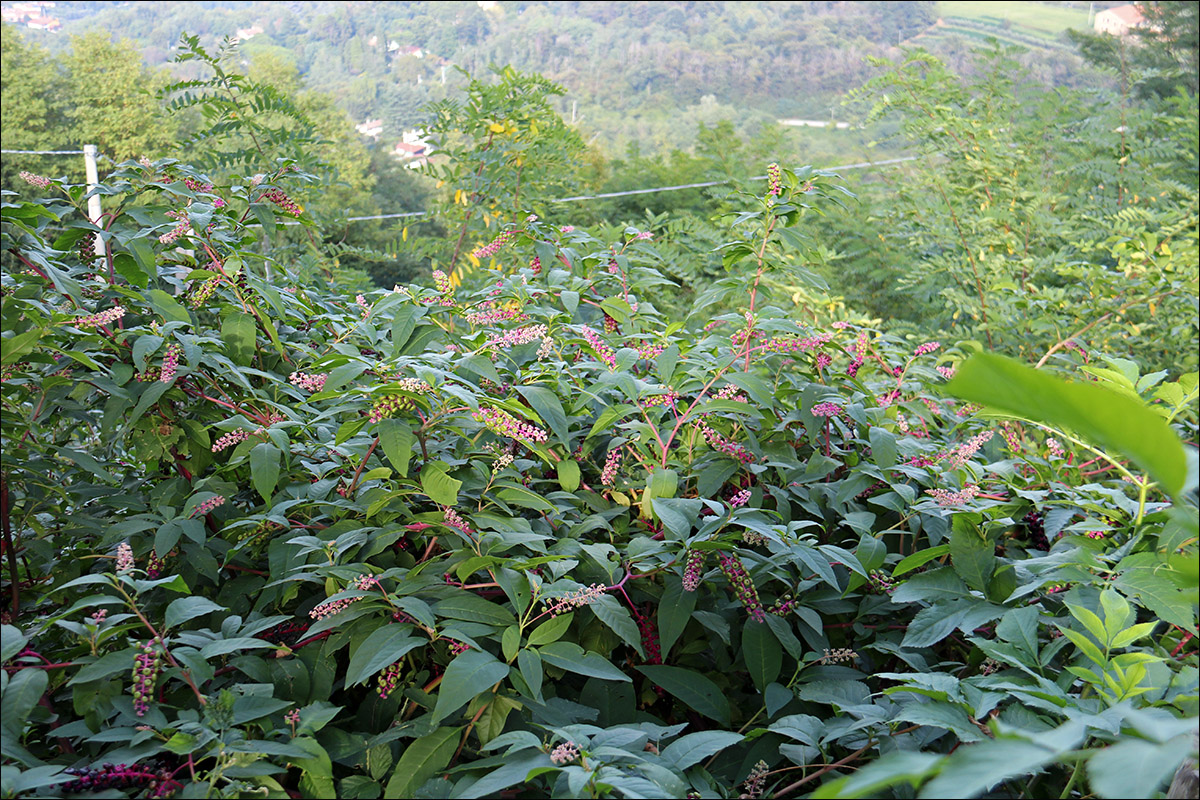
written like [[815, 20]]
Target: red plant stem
[[318, 637], [1179, 648], [363, 463], [236, 568], [17, 667], [10, 546]]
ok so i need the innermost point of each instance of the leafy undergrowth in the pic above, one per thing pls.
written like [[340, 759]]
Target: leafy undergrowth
[[535, 540]]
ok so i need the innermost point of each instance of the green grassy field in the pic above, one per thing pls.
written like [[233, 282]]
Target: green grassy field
[[1032, 19]]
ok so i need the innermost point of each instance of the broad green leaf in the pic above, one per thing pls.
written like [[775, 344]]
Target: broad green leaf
[[568, 475], [239, 333], [690, 687], [674, 611], [763, 655], [384, 647], [396, 437], [972, 557], [25, 688], [469, 675], [695, 747], [470, 607], [421, 760], [1109, 419], [185, 608], [974, 769], [441, 488], [530, 665], [516, 769], [168, 306], [573, 658], [870, 780], [610, 611], [883, 447], [551, 630], [11, 641], [1136, 768], [549, 408], [264, 469]]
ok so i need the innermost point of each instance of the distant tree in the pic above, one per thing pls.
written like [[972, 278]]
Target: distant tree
[[113, 99], [32, 106]]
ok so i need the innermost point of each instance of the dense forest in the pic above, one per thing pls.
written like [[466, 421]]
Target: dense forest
[[507, 471]]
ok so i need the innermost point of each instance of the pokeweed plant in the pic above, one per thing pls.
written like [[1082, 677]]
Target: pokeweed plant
[[529, 536]]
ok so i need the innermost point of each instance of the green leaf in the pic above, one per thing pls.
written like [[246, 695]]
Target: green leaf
[[1136, 768], [239, 334], [531, 670], [976, 769], [473, 608], [972, 557], [919, 558], [440, 487], [573, 658], [25, 688], [185, 608], [469, 675], [568, 475], [551, 630], [128, 268], [1107, 418], [396, 436], [264, 469], [883, 447], [695, 747], [548, 407], [609, 611], [422, 759], [692, 689], [763, 655], [384, 647], [167, 306], [900, 766], [510, 642], [674, 611], [516, 769], [11, 641]]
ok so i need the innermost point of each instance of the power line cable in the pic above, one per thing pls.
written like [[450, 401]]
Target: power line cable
[[46, 152]]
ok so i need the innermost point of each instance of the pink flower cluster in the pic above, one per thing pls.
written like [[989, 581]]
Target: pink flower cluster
[[693, 569], [1056, 449], [103, 318], [489, 313], [309, 383], [506, 424], [755, 781], [454, 520], [364, 583], [124, 558], [145, 675], [283, 201], [947, 498], [602, 350], [644, 236], [536, 265], [179, 230], [364, 305], [576, 599], [960, 455], [530, 333], [201, 293], [197, 186], [826, 410], [796, 344], [731, 391], [743, 586], [774, 184], [230, 439], [859, 353], [946, 372], [457, 648], [170, 363], [718, 442], [208, 505], [740, 499], [565, 753], [35, 180], [611, 464], [927, 348], [491, 248], [650, 350]]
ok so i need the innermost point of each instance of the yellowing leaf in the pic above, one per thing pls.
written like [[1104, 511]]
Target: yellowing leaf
[[496, 127], [404, 234]]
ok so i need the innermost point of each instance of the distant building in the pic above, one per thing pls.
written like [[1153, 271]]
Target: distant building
[[371, 128], [244, 34], [408, 151], [44, 24], [1118, 21], [34, 15]]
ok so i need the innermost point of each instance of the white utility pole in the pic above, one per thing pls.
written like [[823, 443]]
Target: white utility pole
[[93, 179]]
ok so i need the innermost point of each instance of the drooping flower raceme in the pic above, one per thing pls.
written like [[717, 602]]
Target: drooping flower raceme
[[611, 463], [743, 586], [576, 599], [602, 350], [35, 180], [506, 424], [948, 499], [960, 455], [693, 569], [774, 184], [310, 383], [103, 318], [170, 363], [491, 248], [517, 336], [565, 753], [124, 558]]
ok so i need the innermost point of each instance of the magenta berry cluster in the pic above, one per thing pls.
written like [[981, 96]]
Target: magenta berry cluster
[[774, 181], [208, 505], [489, 313], [693, 569], [283, 201], [576, 599], [718, 442], [743, 586], [491, 248], [602, 350], [170, 363], [230, 439], [388, 680]]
